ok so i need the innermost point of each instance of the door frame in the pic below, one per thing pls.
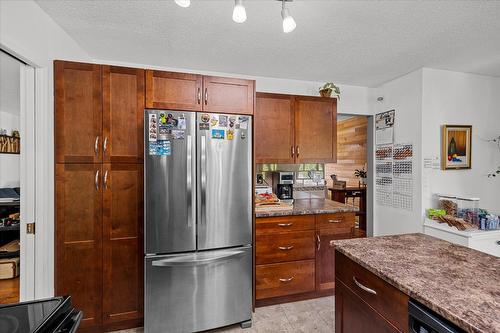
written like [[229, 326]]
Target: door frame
[[41, 175]]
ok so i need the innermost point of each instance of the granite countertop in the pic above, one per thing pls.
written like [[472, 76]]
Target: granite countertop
[[307, 207], [459, 283]]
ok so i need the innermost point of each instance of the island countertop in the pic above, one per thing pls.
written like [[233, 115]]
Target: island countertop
[[459, 283], [308, 207]]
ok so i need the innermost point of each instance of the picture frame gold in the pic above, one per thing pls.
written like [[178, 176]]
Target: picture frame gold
[[456, 147]]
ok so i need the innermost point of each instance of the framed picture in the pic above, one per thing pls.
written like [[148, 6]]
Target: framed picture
[[456, 147]]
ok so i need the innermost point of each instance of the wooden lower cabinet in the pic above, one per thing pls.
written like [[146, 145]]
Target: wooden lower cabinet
[[99, 243], [325, 256], [353, 315], [364, 302], [293, 256], [283, 279]]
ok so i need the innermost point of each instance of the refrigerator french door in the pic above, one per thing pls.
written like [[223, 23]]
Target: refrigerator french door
[[198, 221]]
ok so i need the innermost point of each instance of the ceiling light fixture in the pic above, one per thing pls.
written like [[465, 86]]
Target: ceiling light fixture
[[183, 3], [288, 22], [239, 12]]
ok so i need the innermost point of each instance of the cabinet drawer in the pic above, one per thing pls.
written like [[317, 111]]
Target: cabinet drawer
[[380, 295], [337, 220], [270, 225], [287, 246], [284, 279]]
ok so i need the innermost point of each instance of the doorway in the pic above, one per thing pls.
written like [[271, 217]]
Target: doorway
[[351, 170], [16, 179]]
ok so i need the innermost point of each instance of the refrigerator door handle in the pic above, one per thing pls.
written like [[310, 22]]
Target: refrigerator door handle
[[189, 181], [203, 169], [194, 261]]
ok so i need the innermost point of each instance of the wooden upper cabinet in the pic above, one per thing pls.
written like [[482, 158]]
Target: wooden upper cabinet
[[78, 112], [176, 91], [274, 128], [315, 129], [123, 114], [78, 243], [122, 242], [228, 95]]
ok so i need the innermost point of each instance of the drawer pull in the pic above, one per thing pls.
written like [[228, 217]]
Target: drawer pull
[[287, 279], [334, 221], [363, 287], [284, 225], [319, 242], [285, 248]]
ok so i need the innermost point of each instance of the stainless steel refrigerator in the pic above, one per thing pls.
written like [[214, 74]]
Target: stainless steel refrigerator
[[198, 221]]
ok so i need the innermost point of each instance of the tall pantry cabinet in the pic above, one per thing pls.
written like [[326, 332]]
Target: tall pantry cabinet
[[99, 184]]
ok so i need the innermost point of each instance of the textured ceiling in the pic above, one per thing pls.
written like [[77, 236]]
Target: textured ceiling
[[351, 42]]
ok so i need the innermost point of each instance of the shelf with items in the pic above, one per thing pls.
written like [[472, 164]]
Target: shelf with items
[[10, 144]]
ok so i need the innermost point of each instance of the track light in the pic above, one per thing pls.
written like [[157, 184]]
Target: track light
[[288, 22], [183, 3], [239, 12]]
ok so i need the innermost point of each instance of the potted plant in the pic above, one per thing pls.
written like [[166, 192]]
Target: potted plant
[[328, 88], [361, 174], [496, 172]]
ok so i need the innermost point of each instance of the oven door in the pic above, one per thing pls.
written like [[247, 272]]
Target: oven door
[[198, 291]]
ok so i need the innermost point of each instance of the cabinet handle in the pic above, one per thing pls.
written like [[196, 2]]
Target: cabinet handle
[[363, 287], [96, 180], [284, 225], [105, 145], [105, 179], [199, 95], [286, 279], [334, 221], [319, 242], [96, 145], [285, 248], [298, 151], [293, 150], [206, 96]]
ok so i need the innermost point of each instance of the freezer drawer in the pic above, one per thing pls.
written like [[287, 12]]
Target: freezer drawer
[[198, 291]]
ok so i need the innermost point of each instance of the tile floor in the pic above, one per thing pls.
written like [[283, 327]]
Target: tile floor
[[315, 315]]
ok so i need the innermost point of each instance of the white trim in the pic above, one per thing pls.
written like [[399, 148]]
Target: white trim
[[27, 181], [44, 128]]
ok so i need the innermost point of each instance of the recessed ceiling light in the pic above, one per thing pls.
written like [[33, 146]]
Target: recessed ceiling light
[[239, 12], [183, 3]]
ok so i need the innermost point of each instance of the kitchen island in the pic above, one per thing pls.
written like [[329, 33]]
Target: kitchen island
[[377, 276], [292, 258]]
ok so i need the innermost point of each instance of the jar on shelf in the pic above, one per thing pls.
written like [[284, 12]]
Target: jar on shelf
[[448, 203]]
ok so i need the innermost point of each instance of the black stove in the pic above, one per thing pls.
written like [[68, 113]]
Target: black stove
[[53, 315]]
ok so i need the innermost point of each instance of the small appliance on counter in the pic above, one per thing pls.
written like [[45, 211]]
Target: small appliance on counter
[[54, 315], [283, 185]]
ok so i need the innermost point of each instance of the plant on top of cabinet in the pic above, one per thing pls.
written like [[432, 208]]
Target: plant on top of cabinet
[[328, 88]]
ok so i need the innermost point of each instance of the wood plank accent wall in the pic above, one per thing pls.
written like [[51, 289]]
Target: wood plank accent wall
[[351, 150]]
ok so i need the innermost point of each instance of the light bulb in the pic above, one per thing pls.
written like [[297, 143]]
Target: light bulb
[[288, 21], [183, 3], [239, 12]]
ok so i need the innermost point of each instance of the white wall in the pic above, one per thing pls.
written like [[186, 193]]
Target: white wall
[[29, 33], [403, 94], [462, 99]]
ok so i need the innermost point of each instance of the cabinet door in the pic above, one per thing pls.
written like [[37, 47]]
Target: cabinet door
[[123, 114], [352, 315], [227, 95], [78, 112], [274, 128], [78, 245], [174, 91], [315, 129], [325, 256], [122, 242]]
